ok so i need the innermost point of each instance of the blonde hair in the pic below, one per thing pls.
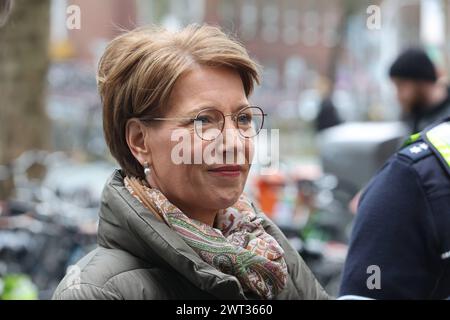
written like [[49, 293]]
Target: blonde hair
[[138, 70]]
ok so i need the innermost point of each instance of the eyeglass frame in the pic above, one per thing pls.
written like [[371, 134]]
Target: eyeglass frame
[[223, 115]]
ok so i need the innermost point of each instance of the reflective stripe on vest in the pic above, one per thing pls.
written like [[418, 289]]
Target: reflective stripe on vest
[[439, 138]]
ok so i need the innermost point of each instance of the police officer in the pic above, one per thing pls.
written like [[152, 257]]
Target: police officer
[[400, 245]]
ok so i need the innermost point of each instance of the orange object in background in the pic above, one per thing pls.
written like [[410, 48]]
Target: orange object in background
[[269, 188]]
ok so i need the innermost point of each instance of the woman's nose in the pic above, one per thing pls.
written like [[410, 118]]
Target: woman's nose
[[230, 123], [231, 129], [232, 140]]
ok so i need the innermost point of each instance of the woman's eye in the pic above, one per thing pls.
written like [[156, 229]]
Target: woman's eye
[[203, 120], [244, 118]]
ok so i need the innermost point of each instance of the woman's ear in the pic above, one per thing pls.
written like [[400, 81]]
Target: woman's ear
[[135, 133]]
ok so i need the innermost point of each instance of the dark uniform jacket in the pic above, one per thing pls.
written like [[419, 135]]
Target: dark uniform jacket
[[402, 229]]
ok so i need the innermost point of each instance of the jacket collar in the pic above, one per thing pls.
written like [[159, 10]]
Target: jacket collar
[[126, 224]]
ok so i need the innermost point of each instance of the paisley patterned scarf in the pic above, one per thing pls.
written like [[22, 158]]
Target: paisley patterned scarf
[[238, 245]]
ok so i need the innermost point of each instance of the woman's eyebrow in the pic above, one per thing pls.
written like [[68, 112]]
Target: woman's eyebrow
[[242, 106], [195, 111]]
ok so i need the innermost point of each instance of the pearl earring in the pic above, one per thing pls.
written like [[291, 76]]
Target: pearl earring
[[147, 169]]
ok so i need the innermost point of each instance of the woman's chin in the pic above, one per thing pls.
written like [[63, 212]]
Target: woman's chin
[[225, 199]]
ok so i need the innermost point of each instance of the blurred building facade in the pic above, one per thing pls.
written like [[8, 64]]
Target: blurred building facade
[[101, 21], [296, 42]]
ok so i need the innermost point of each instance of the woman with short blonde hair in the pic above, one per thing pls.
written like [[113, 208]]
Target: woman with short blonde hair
[[171, 230]]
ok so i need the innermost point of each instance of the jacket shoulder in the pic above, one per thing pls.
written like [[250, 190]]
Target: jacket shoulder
[[415, 152], [109, 274], [430, 167]]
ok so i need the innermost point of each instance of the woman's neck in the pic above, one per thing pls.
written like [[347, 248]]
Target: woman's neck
[[207, 216]]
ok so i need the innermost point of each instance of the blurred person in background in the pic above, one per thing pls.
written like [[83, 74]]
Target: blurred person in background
[[328, 115], [400, 243], [424, 99], [182, 231]]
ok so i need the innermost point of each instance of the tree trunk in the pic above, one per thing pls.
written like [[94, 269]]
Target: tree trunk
[[23, 68], [348, 7]]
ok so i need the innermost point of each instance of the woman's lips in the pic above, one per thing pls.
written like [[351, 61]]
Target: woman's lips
[[227, 171]]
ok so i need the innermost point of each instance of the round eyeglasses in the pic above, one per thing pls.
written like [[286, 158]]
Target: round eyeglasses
[[209, 123]]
